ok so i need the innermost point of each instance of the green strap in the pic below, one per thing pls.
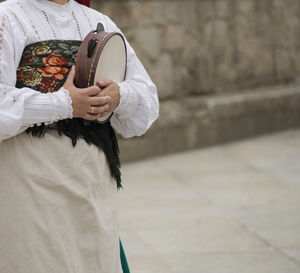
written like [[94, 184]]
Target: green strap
[[124, 263]]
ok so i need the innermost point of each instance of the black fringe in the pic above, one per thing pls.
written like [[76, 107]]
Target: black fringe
[[100, 134]]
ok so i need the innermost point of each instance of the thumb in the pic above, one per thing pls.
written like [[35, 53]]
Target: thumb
[[71, 76], [104, 82]]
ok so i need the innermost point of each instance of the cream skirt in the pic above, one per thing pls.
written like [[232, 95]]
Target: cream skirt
[[58, 207]]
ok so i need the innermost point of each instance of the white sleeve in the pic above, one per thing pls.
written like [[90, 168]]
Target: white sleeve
[[24, 107], [139, 106]]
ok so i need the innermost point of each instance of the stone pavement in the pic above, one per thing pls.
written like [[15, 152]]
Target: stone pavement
[[233, 208]]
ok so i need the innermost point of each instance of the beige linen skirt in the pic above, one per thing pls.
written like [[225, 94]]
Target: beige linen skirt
[[58, 207]]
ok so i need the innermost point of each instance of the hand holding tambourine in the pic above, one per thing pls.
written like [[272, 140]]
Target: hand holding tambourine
[[101, 61]]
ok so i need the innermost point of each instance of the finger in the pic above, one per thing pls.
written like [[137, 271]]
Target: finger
[[103, 114], [71, 76], [105, 82], [92, 117], [92, 90], [99, 109], [109, 90], [99, 100], [104, 92], [89, 116]]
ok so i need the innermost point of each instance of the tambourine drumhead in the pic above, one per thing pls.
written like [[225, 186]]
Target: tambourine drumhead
[[112, 63]]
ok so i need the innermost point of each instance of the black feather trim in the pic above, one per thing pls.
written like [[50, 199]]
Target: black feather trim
[[100, 134]]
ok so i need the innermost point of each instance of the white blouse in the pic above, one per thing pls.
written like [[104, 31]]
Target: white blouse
[[23, 22]]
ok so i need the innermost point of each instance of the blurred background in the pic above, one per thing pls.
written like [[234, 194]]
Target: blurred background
[[225, 69], [214, 185], [227, 73]]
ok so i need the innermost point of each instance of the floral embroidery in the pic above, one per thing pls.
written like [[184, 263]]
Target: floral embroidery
[[32, 78], [40, 50], [29, 59], [55, 71], [55, 60], [45, 65], [21, 71], [25, 68], [49, 84]]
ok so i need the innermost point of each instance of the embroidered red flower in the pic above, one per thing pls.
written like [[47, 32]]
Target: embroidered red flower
[[29, 59], [48, 85], [54, 60], [51, 71], [20, 75]]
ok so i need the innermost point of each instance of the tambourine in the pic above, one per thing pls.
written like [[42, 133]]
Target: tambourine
[[101, 55]]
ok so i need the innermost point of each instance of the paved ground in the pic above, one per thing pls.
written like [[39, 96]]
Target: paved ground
[[227, 209]]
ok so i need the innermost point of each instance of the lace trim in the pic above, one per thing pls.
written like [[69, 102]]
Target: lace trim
[[86, 17], [68, 98], [78, 26], [47, 19], [19, 22], [4, 89], [33, 26], [1, 40]]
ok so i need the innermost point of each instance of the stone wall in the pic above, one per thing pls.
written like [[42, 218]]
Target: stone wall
[[225, 69], [191, 47]]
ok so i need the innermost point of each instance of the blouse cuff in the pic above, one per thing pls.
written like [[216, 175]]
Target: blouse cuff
[[66, 101], [128, 101], [49, 108]]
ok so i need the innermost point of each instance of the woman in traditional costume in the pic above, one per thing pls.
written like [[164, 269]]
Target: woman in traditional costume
[[59, 169]]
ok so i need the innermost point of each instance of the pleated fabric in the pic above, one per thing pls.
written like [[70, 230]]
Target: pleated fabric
[[58, 207]]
